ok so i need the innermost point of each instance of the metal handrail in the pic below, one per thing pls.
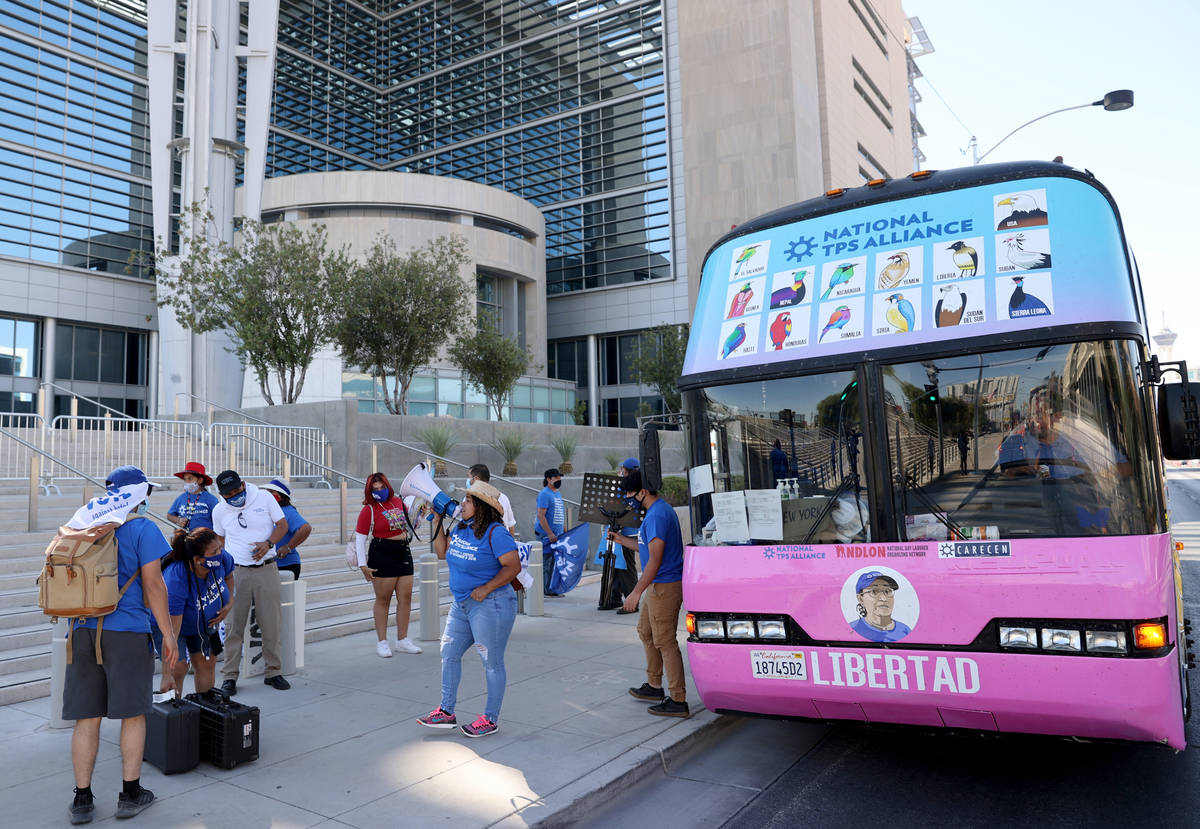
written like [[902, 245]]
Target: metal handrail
[[81, 474], [463, 465], [336, 472], [237, 412], [94, 402]]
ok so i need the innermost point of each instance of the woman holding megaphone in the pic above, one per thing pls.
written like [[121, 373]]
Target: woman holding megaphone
[[483, 560], [386, 562]]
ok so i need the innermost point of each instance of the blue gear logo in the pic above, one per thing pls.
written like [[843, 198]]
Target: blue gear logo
[[796, 255]]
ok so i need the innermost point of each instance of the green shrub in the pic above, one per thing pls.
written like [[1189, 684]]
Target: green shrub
[[613, 459], [674, 491], [440, 438]]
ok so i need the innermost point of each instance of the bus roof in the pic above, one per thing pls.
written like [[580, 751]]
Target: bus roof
[[960, 255]]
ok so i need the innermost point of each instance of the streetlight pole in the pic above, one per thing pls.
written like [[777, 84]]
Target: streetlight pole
[[1115, 101]]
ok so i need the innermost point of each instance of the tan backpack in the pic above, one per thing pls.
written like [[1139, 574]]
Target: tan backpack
[[79, 578]]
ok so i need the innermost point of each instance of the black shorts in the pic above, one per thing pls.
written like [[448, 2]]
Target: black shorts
[[120, 688], [389, 558], [294, 569]]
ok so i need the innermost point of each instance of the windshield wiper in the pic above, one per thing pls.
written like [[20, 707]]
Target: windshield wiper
[[909, 482], [851, 478]]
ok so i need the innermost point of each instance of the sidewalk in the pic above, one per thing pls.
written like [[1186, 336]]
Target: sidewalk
[[342, 748]]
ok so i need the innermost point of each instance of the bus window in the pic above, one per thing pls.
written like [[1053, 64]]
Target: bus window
[[800, 437], [1032, 442]]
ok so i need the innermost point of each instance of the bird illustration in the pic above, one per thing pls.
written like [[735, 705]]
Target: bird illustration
[[1025, 259], [837, 319], [736, 337], [1021, 304], [781, 329], [901, 315], [746, 256], [895, 270], [950, 308], [1023, 212], [792, 295], [965, 258], [740, 300], [843, 274]]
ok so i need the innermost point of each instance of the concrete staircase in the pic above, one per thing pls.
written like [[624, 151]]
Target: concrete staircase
[[339, 601]]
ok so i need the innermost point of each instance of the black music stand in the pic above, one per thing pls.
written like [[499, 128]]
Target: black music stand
[[603, 502]]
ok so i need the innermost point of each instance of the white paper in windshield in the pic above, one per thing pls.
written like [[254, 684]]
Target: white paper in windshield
[[729, 510], [765, 510]]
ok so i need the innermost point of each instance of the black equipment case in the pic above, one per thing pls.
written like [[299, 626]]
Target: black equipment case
[[173, 736], [228, 729]]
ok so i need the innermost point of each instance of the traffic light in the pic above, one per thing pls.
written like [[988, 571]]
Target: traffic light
[[931, 392]]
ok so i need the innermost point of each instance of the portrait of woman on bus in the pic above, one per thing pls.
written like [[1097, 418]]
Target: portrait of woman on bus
[[876, 600]]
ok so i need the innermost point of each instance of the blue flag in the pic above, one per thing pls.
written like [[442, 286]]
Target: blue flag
[[618, 554], [570, 553]]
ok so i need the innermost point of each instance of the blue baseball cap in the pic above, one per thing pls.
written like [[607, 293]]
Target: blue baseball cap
[[125, 476], [278, 486], [631, 464], [864, 581]]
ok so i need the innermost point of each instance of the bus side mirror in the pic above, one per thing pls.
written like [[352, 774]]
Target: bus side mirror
[[1180, 439], [649, 457]]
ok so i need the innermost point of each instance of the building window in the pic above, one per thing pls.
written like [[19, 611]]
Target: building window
[[488, 308], [623, 412], [567, 360], [104, 355], [19, 348], [617, 355]]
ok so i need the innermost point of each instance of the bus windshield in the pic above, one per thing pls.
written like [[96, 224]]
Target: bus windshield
[[1032, 442]]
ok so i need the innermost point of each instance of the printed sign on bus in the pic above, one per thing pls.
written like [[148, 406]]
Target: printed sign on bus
[[897, 313], [961, 259], [739, 338], [841, 320], [790, 288], [1024, 296], [844, 279], [880, 604], [1024, 209], [789, 328], [899, 268], [1025, 250], [959, 303], [744, 298], [749, 260]]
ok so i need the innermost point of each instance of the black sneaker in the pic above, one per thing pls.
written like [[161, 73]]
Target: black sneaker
[[82, 809], [229, 687], [648, 693], [670, 708], [130, 806], [277, 682]]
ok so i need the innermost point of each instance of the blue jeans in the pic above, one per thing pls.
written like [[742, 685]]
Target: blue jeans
[[486, 625]]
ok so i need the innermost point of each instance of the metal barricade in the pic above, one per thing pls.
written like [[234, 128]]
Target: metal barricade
[[97, 444], [14, 458], [257, 450]]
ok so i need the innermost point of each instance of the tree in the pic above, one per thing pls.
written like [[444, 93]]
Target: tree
[[491, 363], [659, 362], [271, 292], [399, 309]]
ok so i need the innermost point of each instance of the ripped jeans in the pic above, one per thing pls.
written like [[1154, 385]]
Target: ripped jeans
[[486, 625]]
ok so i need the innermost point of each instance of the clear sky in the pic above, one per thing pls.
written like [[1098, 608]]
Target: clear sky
[[998, 65]]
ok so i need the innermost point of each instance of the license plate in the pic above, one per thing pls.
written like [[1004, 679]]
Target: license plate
[[778, 665]]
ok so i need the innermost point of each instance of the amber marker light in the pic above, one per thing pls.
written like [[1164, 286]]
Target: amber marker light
[[1149, 636], [1179, 546], [835, 192], [921, 174], [876, 182], [690, 622]]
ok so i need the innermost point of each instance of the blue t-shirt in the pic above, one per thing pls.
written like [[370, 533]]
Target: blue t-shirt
[[185, 590], [476, 561], [662, 522], [556, 516], [874, 634], [196, 508], [294, 522], [139, 542]]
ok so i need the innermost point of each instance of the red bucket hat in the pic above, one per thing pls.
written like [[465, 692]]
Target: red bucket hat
[[195, 468]]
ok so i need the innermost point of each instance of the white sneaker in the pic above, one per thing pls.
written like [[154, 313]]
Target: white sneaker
[[381, 648], [406, 645]]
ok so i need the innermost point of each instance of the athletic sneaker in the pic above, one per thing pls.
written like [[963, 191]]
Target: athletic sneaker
[[437, 718], [82, 808], [130, 806], [382, 649], [648, 693], [480, 728], [670, 708], [405, 645]]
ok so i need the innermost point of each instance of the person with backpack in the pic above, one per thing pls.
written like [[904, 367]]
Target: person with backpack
[[386, 562], [194, 506], [286, 557], [110, 664], [482, 559], [199, 579]]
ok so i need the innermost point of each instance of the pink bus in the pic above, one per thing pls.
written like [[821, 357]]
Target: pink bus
[[925, 441]]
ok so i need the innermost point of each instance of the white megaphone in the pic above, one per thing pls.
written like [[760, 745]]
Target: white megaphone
[[419, 484]]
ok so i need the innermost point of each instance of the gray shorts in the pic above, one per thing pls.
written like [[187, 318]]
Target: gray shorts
[[120, 688]]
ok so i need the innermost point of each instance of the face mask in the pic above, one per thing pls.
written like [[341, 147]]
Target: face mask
[[468, 483], [381, 494], [191, 487], [238, 500], [556, 484], [640, 501], [142, 508], [212, 563]]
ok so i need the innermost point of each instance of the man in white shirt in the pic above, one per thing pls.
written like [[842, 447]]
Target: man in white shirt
[[480, 472], [249, 523]]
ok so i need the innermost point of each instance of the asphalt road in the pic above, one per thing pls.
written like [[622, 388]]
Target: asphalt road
[[762, 774]]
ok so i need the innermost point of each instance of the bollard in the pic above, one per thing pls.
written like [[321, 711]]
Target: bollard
[[35, 479], [300, 603], [58, 673], [287, 623], [287, 469], [537, 599], [87, 490], [342, 506], [431, 621], [374, 457]]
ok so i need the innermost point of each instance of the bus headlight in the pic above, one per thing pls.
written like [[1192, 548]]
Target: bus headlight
[[740, 629], [710, 628], [1105, 641], [771, 629], [1014, 637], [1059, 639]]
